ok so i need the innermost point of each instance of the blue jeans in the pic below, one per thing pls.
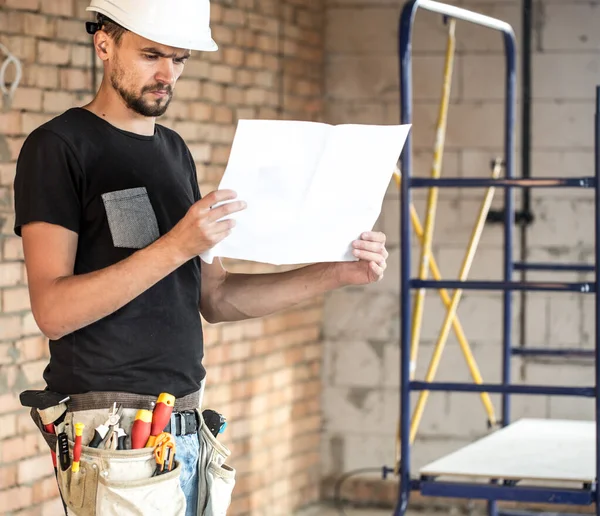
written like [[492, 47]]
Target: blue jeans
[[187, 452]]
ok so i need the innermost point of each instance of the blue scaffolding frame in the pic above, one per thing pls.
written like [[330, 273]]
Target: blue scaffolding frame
[[496, 489]]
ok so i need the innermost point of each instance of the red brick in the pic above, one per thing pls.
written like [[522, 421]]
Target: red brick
[[16, 498], [32, 121], [41, 76], [17, 448], [52, 508], [10, 274], [81, 56], [30, 5], [45, 489], [235, 17], [187, 89], [8, 426], [33, 348], [8, 476], [75, 79], [33, 371], [10, 327], [223, 115], [28, 98], [35, 468], [11, 123], [33, 511], [39, 25], [12, 246], [50, 52], [7, 173], [9, 403], [201, 111], [15, 299], [58, 101], [71, 30], [58, 7], [11, 22], [22, 47]]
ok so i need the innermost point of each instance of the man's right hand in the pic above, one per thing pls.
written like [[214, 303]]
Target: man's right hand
[[203, 226]]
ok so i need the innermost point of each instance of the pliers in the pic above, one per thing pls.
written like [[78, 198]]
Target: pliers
[[103, 434]]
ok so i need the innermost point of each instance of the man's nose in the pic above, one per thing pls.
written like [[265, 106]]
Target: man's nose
[[166, 73]]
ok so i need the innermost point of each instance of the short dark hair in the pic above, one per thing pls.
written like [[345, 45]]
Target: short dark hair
[[113, 29]]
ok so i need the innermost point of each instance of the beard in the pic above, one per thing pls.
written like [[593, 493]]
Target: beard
[[136, 101]]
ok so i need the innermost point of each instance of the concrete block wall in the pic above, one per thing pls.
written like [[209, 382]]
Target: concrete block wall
[[361, 369], [264, 375]]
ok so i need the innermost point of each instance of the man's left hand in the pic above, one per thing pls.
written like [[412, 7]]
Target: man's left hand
[[372, 255]]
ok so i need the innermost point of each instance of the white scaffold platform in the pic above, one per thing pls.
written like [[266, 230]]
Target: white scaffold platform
[[528, 449]]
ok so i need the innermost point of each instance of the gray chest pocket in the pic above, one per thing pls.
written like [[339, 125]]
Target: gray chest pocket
[[131, 218]]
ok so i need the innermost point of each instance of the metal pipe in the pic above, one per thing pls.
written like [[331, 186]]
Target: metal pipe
[[509, 210], [548, 352], [463, 14], [507, 286], [478, 182], [556, 267], [405, 70], [500, 388], [597, 285]]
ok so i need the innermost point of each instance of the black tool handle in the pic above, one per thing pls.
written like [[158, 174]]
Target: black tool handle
[[63, 451], [96, 440]]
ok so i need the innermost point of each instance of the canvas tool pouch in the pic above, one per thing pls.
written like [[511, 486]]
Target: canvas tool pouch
[[216, 479], [120, 482]]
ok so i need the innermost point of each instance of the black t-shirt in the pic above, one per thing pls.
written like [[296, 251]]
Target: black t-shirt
[[119, 191]]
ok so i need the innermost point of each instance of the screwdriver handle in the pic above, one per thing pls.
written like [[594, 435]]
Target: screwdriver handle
[[140, 430], [160, 416], [77, 447], [50, 429]]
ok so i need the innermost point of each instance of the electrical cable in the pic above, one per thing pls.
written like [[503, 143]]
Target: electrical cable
[[338, 486]]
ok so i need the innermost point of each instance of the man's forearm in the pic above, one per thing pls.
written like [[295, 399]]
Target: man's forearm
[[74, 302], [245, 296]]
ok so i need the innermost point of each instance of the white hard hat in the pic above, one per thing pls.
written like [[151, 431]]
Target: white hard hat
[[177, 23]]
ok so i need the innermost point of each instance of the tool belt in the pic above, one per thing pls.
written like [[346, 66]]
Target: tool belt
[[109, 481]]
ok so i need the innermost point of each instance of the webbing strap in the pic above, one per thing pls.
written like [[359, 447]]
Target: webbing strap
[[105, 400]]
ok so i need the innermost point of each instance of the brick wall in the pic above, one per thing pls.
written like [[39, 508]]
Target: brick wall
[[263, 374], [361, 353]]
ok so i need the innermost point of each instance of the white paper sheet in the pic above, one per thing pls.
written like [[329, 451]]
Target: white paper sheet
[[311, 188]]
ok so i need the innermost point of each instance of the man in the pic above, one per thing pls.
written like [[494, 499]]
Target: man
[[112, 222]]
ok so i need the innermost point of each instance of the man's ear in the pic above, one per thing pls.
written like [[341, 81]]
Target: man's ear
[[102, 43]]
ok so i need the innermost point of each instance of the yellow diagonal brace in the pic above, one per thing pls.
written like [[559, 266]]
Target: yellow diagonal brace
[[440, 137], [456, 325], [451, 312]]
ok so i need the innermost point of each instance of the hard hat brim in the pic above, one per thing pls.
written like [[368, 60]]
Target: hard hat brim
[[178, 41]]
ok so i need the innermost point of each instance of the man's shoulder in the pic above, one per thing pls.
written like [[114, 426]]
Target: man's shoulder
[[171, 136], [66, 126]]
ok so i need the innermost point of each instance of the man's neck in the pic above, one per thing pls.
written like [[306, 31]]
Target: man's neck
[[109, 106]]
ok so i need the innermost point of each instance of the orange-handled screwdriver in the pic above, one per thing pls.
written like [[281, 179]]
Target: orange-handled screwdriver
[[160, 416], [77, 447], [140, 430]]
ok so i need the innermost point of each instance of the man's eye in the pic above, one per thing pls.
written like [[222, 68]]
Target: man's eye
[[151, 57], [181, 60]]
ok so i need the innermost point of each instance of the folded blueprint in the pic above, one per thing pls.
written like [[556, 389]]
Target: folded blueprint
[[311, 188]]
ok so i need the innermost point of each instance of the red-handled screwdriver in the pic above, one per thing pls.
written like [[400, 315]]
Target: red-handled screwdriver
[[140, 430], [160, 416], [50, 429], [77, 447]]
